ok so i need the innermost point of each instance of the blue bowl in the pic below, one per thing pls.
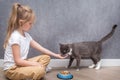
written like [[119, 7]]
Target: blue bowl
[[66, 76]]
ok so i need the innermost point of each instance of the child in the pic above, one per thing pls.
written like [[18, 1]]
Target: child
[[17, 42]]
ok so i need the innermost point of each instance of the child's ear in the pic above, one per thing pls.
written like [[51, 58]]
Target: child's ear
[[20, 22]]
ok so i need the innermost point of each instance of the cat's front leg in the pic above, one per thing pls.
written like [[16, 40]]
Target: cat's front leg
[[70, 62], [78, 64]]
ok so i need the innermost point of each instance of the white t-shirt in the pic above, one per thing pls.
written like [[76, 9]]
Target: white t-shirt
[[23, 42]]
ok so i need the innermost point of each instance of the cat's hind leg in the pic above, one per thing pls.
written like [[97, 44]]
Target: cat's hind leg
[[93, 65], [97, 62], [98, 65]]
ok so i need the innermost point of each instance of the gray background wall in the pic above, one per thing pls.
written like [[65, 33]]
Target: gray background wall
[[67, 21]]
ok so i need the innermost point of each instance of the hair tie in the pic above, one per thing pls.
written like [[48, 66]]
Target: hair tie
[[18, 5]]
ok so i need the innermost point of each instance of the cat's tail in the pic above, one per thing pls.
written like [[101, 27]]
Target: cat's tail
[[109, 35]]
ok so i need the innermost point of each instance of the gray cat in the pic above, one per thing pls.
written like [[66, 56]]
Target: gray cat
[[91, 49]]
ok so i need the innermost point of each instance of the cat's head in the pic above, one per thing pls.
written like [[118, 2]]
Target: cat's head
[[64, 49]]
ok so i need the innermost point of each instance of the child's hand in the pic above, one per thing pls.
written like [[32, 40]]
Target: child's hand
[[61, 57]]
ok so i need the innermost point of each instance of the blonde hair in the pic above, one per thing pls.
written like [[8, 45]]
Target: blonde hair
[[19, 12]]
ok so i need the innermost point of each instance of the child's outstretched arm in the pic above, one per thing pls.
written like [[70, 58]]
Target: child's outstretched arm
[[37, 46]]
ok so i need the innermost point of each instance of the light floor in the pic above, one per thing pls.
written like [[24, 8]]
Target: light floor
[[105, 73]]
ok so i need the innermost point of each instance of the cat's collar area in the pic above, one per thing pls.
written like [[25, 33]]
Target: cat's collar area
[[70, 52]]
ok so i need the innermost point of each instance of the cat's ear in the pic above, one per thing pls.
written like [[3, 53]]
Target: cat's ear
[[60, 44]]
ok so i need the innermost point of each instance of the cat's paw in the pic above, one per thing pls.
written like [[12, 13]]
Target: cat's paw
[[77, 69], [97, 67], [92, 66]]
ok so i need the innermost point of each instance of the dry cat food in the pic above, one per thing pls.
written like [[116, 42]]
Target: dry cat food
[[65, 72]]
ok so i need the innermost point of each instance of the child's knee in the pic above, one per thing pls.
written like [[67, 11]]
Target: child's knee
[[47, 57]]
